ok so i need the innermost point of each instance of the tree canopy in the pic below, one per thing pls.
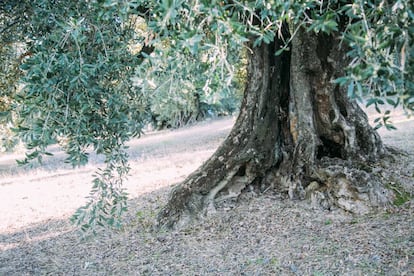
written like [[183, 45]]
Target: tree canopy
[[83, 72]]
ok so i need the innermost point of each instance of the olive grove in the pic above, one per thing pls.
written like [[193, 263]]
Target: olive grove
[[86, 71]]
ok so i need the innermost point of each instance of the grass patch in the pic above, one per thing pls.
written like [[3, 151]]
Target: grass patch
[[401, 196]]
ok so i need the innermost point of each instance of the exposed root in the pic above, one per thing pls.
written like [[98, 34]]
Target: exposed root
[[353, 187], [220, 186], [238, 184]]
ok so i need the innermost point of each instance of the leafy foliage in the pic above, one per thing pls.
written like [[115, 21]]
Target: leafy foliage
[[13, 26], [9, 76], [76, 87], [382, 51], [107, 199]]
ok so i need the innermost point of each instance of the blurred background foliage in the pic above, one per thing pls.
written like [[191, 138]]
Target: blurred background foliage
[[181, 87]]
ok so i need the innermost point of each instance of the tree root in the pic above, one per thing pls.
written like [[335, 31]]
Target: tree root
[[335, 183]]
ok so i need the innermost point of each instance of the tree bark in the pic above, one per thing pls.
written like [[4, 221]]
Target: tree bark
[[296, 132]]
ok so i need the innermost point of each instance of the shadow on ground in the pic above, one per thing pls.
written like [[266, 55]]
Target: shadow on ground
[[260, 235], [255, 235]]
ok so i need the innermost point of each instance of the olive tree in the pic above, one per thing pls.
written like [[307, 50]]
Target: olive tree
[[299, 128]]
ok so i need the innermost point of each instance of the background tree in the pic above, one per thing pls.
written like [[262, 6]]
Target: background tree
[[176, 95], [13, 26], [299, 128], [9, 75]]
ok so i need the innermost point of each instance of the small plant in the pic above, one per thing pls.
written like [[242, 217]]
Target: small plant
[[401, 196], [144, 218], [328, 222]]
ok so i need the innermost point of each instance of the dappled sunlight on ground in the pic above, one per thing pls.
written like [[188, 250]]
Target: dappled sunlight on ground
[[258, 234], [157, 160]]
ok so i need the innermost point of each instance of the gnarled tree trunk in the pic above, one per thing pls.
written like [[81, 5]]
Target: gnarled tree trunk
[[296, 131]]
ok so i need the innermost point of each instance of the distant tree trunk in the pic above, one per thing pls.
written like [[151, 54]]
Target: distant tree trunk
[[296, 131]]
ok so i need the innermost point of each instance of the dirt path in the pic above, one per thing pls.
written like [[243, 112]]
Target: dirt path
[[258, 235], [157, 160]]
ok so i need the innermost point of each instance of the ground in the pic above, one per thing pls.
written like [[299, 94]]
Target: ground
[[259, 234]]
